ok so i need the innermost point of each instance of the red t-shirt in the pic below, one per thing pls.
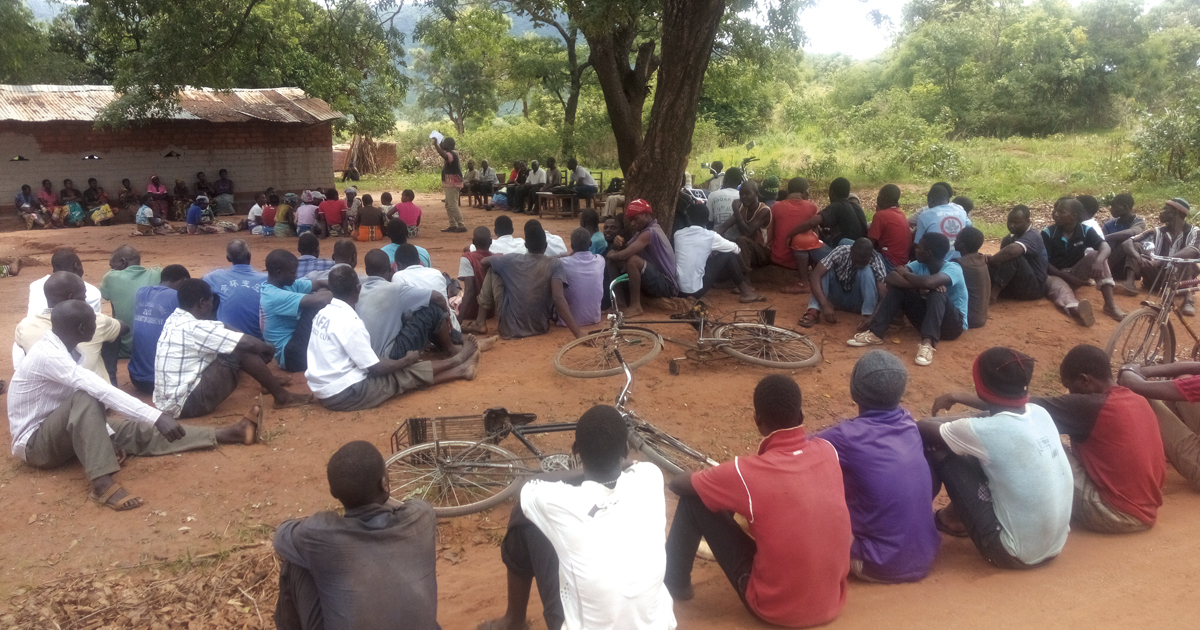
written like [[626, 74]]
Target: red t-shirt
[[268, 215], [1189, 388], [893, 238], [408, 212], [792, 495], [785, 215], [334, 210]]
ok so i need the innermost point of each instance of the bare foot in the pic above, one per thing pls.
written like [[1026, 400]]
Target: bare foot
[[475, 328], [487, 343], [15, 268], [244, 431], [632, 311], [470, 346], [470, 367], [283, 381], [293, 400]]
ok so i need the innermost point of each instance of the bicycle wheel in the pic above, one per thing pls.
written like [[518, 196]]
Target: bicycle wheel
[[767, 346], [1140, 339], [668, 452], [455, 477], [592, 356]]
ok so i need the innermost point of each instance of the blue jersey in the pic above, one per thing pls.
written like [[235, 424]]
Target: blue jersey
[[151, 307], [238, 287]]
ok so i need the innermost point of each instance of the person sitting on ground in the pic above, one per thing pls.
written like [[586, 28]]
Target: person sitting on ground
[[769, 191], [199, 219], [96, 201], [344, 253], [57, 413], [583, 287], [410, 272], [648, 258], [203, 186], [369, 225], [285, 216], [1076, 253], [975, 274], [1018, 270], [345, 374], [55, 211], [30, 208], [717, 181], [943, 217], [72, 199], [789, 249], [11, 268], [199, 361], [1091, 207], [749, 226], [254, 219], [62, 259], [704, 257], [1116, 451], [223, 194], [1124, 224], [306, 212], [748, 511], [397, 232], [556, 247], [98, 354], [408, 212], [471, 272], [151, 308], [524, 290], [720, 202], [592, 537], [1175, 238], [842, 221], [886, 475], [930, 291], [372, 567], [238, 285], [850, 278], [889, 228], [331, 212], [916, 216], [388, 310], [1173, 390], [354, 205], [310, 259], [504, 241], [1007, 475], [120, 285], [288, 305], [589, 220]]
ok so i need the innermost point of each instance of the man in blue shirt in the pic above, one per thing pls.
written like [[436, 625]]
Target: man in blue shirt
[[397, 231], [310, 252], [930, 292], [238, 287], [151, 307], [942, 217], [289, 306]]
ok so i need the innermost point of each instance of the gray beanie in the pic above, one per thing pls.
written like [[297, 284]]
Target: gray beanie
[[878, 380]]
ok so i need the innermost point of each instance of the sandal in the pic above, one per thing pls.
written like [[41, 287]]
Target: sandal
[[122, 506], [810, 318], [946, 528]]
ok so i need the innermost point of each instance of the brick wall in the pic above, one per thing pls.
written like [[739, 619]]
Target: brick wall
[[257, 155]]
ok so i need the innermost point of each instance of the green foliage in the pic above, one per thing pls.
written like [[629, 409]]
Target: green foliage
[[889, 132], [26, 55], [1168, 144], [737, 96], [464, 63]]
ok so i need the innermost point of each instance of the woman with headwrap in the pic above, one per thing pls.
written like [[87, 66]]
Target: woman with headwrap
[[648, 258], [159, 199], [182, 199], [72, 199], [285, 216], [129, 201], [306, 214], [96, 202]]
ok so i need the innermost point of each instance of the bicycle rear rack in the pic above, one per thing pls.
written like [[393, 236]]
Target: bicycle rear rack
[[492, 427]]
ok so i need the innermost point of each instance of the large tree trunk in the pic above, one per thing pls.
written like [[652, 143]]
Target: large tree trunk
[[569, 111], [655, 174], [625, 88]]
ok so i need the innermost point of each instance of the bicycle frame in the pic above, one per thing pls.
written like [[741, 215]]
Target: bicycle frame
[[1170, 286]]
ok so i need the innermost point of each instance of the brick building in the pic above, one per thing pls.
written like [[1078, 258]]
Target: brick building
[[275, 137]]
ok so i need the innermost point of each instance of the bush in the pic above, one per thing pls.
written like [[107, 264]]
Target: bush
[[890, 132], [1168, 144]]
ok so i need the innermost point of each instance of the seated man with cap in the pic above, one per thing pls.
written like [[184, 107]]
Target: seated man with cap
[[1175, 238], [648, 258], [1007, 475], [886, 475]]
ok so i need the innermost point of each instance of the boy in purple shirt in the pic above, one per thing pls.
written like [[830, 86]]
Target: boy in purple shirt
[[888, 483], [585, 280]]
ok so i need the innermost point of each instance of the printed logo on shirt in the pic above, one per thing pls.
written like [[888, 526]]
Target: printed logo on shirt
[[950, 226]]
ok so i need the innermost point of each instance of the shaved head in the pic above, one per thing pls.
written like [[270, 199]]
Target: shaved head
[[62, 286], [378, 265], [237, 252], [73, 322], [124, 256]]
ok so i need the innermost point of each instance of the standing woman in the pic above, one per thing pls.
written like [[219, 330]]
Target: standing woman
[[452, 183]]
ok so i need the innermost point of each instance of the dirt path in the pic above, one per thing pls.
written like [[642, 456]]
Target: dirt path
[[201, 502]]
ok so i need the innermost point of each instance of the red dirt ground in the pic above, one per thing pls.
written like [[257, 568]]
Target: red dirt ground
[[235, 494]]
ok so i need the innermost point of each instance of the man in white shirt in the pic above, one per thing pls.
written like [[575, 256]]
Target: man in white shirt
[[592, 537], [199, 361], [713, 184], [62, 260], [534, 181], [703, 257], [345, 374], [413, 274], [56, 413], [487, 182], [582, 181], [505, 242], [1010, 484], [255, 217], [99, 353], [720, 202], [556, 247]]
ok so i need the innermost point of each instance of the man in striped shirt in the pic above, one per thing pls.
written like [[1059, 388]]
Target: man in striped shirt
[[199, 361], [56, 413]]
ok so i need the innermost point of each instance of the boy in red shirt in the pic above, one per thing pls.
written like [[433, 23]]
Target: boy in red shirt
[[776, 522], [1116, 452], [790, 248], [889, 228], [1175, 403]]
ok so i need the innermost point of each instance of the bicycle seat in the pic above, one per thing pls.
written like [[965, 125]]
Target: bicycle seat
[[496, 419]]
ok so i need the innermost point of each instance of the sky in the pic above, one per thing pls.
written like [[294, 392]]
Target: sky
[[843, 26]]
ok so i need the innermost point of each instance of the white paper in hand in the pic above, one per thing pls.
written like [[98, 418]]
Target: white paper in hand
[[436, 136]]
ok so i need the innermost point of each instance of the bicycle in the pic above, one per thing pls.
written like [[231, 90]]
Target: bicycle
[[1147, 335], [460, 470], [750, 337]]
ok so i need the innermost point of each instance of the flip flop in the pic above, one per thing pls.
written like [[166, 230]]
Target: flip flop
[[122, 506], [809, 319], [945, 528]]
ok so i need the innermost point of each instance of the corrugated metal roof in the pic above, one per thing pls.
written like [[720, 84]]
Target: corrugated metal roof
[[44, 103]]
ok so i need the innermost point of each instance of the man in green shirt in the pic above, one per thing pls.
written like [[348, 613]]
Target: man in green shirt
[[120, 286]]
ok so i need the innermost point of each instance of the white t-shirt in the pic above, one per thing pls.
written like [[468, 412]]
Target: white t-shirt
[[255, 214], [339, 350], [582, 176], [1095, 225], [1028, 475], [611, 549], [693, 245], [507, 244], [720, 205], [37, 297], [555, 246], [426, 279], [537, 177], [717, 181]]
